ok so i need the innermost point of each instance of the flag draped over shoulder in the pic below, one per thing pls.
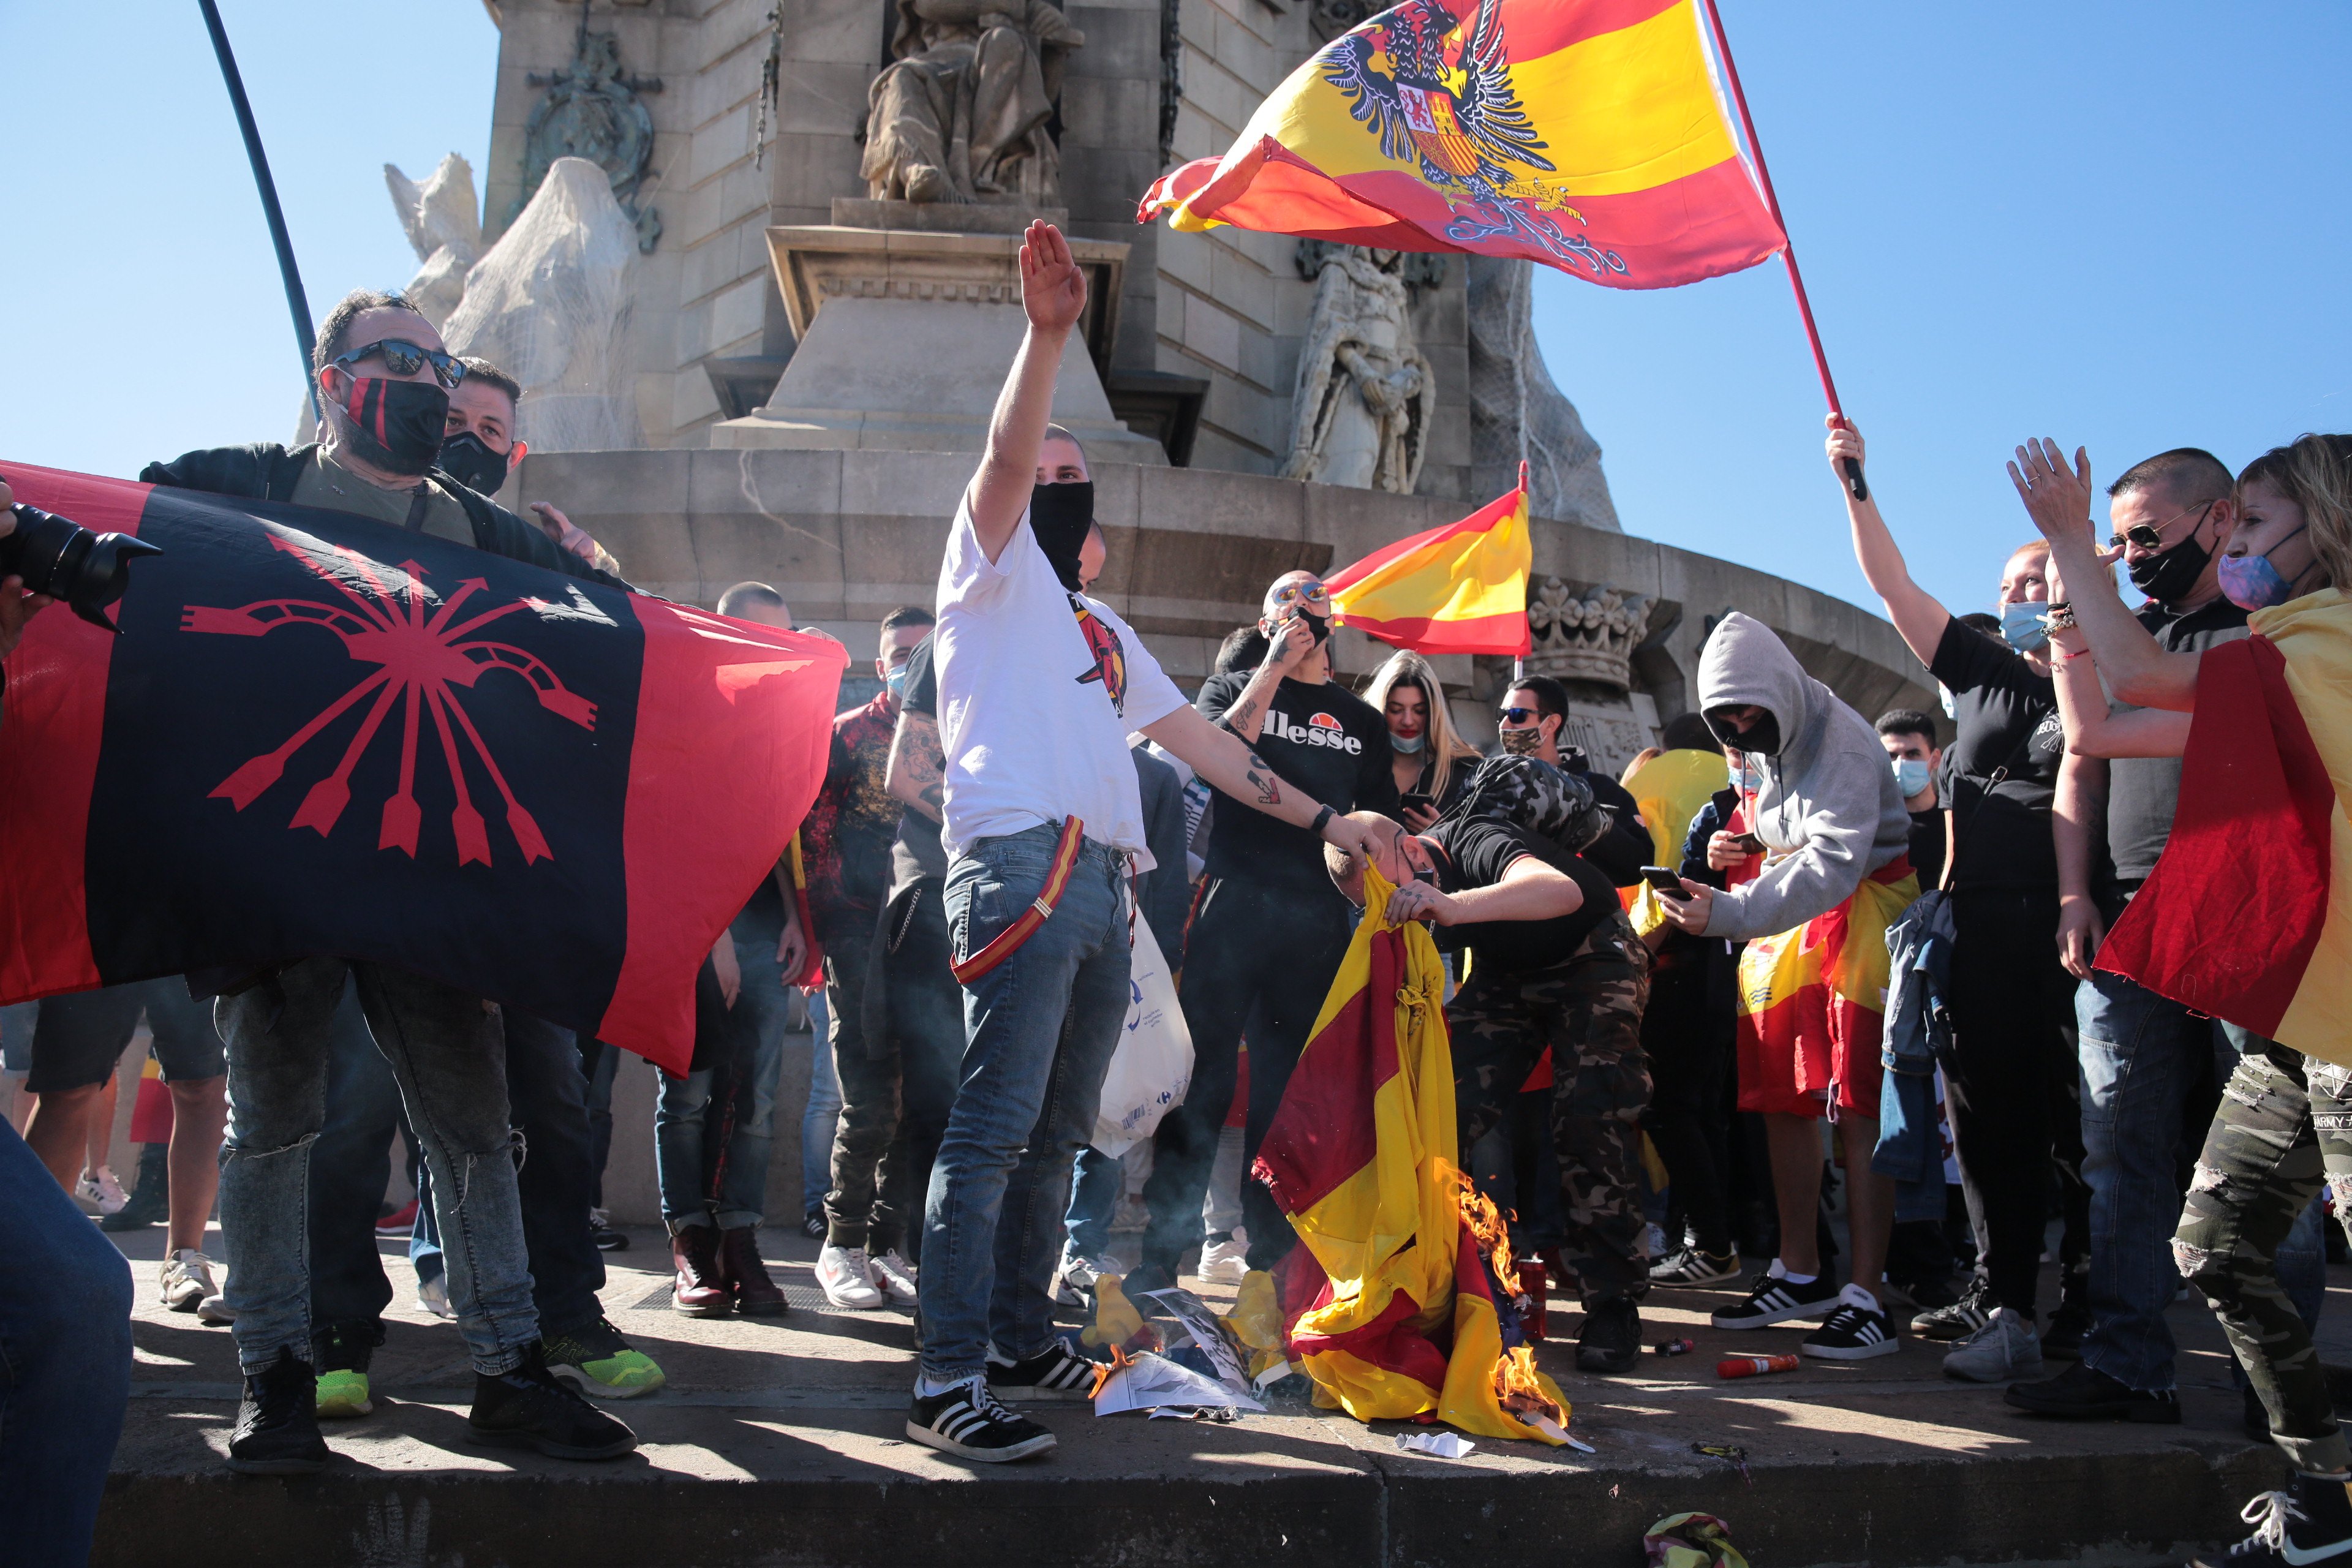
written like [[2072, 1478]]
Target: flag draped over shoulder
[[1824, 980], [1585, 135], [1462, 588], [320, 734], [1396, 1307], [2245, 917]]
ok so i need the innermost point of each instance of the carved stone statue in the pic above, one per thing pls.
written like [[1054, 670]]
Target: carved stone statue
[[592, 110], [959, 114], [1588, 634], [1517, 414], [445, 228], [1365, 397]]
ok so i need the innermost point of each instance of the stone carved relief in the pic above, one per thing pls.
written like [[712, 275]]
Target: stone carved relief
[[960, 113], [1329, 18], [1517, 414], [1588, 634], [443, 224], [1365, 394], [593, 111]]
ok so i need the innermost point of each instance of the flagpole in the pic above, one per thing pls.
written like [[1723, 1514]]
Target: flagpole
[[1853, 481]]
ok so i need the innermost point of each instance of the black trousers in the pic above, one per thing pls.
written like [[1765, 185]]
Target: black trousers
[[1264, 957], [1689, 1045], [2013, 1116]]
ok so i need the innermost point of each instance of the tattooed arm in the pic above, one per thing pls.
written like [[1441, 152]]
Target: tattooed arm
[[1247, 716], [918, 770], [1240, 773]]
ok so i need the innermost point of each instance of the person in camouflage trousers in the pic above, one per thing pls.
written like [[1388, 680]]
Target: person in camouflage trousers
[[2285, 1123], [1588, 1010]]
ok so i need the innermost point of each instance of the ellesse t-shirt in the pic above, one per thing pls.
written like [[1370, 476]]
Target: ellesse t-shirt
[[1331, 745]]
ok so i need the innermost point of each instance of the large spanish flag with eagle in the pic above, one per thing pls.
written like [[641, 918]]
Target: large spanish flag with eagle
[[1462, 588], [1399, 1299], [1585, 135], [2248, 915], [319, 734]]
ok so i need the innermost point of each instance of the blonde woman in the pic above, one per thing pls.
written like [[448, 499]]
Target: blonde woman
[[1431, 760]]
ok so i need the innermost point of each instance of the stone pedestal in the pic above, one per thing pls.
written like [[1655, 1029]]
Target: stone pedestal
[[904, 334]]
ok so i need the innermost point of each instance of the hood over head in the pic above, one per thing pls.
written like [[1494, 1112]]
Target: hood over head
[[1744, 663]]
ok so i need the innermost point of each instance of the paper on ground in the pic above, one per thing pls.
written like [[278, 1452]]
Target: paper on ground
[[1207, 1333], [1152, 1380], [1443, 1444]]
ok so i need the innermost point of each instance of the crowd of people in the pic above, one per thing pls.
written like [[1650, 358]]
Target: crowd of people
[[1693, 954]]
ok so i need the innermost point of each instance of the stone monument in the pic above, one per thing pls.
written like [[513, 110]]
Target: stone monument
[[1362, 413], [961, 113], [443, 224]]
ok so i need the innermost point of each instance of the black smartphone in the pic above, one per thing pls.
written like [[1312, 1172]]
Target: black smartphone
[[1413, 800], [1667, 883], [1747, 844]]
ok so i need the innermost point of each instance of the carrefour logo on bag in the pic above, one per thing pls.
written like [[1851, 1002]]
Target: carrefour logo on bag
[[1322, 729]]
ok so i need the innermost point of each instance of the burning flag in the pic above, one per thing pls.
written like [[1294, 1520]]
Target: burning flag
[[320, 734]]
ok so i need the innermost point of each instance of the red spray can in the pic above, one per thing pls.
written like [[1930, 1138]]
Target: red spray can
[[1754, 1365], [1534, 1289]]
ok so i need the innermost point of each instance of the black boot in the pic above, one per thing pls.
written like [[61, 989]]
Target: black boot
[[1610, 1341], [277, 1431], [530, 1407], [2310, 1521], [151, 1192]]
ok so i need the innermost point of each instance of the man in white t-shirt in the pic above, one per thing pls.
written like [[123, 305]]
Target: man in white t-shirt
[[1038, 689]]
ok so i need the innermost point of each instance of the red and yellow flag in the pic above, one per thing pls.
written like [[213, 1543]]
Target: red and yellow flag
[[1462, 588], [1806, 993], [2244, 916], [1395, 1308], [1585, 135]]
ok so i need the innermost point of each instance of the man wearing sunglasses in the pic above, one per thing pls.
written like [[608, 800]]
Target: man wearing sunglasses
[[1270, 932], [383, 382], [1529, 723]]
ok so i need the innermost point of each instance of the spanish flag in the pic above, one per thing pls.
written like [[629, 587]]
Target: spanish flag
[[1462, 588], [1400, 1296], [1804, 992], [2245, 917], [1585, 135]]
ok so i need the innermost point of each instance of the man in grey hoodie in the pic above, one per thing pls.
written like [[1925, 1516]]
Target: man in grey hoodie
[[1833, 833]]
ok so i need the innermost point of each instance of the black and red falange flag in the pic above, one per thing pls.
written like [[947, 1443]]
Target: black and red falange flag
[[320, 734]]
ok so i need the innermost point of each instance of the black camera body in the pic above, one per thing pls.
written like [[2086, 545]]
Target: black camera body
[[57, 556]]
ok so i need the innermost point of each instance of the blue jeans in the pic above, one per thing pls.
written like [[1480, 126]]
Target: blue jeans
[[821, 1120], [1040, 1028], [1093, 1200], [713, 1129], [64, 1363], [448, 1053], [350, 1165], [2142, 1057]]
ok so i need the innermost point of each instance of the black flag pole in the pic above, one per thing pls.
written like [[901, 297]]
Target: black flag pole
[[296, 303]]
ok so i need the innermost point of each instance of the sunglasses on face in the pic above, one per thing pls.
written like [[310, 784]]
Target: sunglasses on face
[[401, 357], [1297, 592], [2150, 535], [1519, 715]]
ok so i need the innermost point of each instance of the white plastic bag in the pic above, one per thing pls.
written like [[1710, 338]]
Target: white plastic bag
[[1153, 1065]]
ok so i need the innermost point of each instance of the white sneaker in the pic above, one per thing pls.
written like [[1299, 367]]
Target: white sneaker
[[433, 1295], [187, 1279], [846, 1277], [894, 1277], [1074, 1284], [101, 1189], [1224, 1262], [215, 1308], [2005, 1348]]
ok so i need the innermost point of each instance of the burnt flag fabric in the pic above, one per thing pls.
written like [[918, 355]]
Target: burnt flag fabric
[[320, 734]]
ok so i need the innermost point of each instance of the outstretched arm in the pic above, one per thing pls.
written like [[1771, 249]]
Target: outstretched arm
[[1241, 773], [1914, 611], [1053, 295]]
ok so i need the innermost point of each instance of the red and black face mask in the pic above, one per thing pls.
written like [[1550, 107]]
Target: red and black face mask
[[396, 426]]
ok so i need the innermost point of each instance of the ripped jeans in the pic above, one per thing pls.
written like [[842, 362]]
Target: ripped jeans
[[2285, 1124], [448, 1052]]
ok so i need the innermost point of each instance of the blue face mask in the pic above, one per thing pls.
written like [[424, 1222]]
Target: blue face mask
[[2251, 582], [1911, 776], [1408, 748], [1745, 777], [897, 681], [2021, 627]]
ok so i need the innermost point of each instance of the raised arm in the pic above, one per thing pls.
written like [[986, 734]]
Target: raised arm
[[1053, 295], [1916, 612], [1242, 774], [916, 775]]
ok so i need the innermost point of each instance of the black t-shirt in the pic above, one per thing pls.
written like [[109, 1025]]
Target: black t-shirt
[[1928, 845], [2143, 791], [918, 851], [1331, 744], [1475, 853], [2006, 718]]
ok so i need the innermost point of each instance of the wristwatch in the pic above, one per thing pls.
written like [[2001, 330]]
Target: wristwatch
[[1322, 816]]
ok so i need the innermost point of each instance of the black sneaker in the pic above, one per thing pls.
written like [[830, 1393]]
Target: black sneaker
[[1925, 1295], [1610, 1340], [1854, 1332], [1962, 1318], [813, 1226], [968, 1422], [2310, 1522], [277, 1431], [1773, 1300], [2061, 1339], [2082, 1394], [1057, 1371], [1687, 1268], [601, 1232], [530, 1407]]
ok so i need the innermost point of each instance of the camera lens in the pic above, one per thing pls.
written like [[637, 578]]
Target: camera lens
[[59, 557]]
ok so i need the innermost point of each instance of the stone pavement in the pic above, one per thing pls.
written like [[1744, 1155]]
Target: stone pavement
[[796, 1426]]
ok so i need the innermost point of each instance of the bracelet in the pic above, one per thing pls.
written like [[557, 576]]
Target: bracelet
[[2079, 653], [1322, 816], [2061, 617]]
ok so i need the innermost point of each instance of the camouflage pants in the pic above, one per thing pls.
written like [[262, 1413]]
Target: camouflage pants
[[1588, 1012], [2285, 1123]]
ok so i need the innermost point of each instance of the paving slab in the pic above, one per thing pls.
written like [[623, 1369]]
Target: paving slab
[[781, 1442]]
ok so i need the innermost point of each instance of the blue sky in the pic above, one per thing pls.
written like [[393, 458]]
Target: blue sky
[[2120, 226]]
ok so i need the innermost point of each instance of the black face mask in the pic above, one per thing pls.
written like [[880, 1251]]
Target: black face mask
[[1060, 515], [396, 426], [1762, 738], [467, 458], [2169, 575]]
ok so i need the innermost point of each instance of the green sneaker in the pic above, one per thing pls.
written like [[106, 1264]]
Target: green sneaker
[[594, 1359], [343, 1395]]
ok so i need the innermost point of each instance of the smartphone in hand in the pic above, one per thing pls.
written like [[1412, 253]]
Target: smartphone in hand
[[1747, 844], [1665, 883], [1415, 800]]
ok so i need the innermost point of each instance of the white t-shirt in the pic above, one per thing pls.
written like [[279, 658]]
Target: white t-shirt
[[1035, 705]]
